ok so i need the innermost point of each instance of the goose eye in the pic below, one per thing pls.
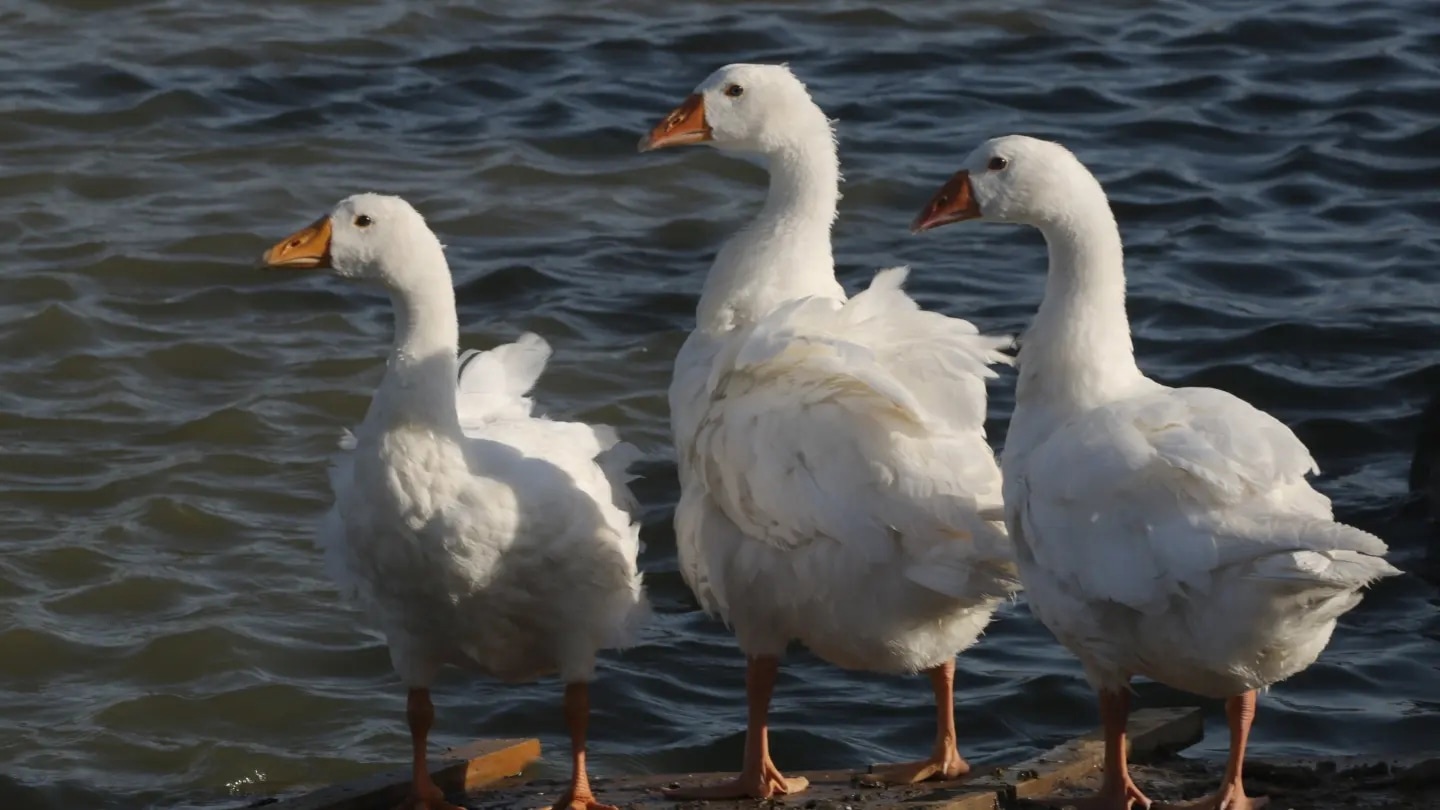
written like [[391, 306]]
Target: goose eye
[[734, 91], [998, 163], [363, 221]]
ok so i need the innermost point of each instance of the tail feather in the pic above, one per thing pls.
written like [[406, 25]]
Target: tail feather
[[1339, 569], [494, 383], [614, 460], [979, 580], [977, 564]]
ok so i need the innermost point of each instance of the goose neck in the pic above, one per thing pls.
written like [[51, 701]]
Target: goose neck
[[1079, 352], [785, 252], [419, 384]]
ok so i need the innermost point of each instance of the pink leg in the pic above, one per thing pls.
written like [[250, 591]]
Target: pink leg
[[424, 793], [1240, 711], [1117, 791], [577, 721], [759, 778], [945, 761]]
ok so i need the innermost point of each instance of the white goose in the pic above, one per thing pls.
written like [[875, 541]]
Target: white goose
[[473, 533], [833, 464], [1163, 532]]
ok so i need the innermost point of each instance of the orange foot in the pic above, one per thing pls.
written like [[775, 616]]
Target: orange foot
[[1125, 796], [426, 797], [762, 783], [953, 766], [1230, 797], [580, 800]]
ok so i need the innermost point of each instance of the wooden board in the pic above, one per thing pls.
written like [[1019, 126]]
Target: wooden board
[[1152, 731], [1345, 783], [458, 771], [828, 789]]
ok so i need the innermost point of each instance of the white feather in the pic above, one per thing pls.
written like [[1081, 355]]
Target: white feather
[[1164, 532], [472, 532], [834, 465]]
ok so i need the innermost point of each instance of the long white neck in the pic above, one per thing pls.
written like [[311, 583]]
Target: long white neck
[[1078, 353], [419, 383], [784, 253]]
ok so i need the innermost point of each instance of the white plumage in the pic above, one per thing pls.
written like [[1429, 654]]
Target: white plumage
[[470, 531], [1163, 532], [833, 467], [836, 485], [507, 551], [1172, 534]]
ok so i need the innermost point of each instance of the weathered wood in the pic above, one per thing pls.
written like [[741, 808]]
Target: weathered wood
[[1151, 732], [478, 772], [1416, 771], [458, 771], [1343, 783], [828, 790]]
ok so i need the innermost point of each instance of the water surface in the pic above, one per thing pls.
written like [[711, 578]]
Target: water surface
[[167, 636]]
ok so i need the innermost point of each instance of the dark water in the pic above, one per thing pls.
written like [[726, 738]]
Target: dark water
[[166, 635]]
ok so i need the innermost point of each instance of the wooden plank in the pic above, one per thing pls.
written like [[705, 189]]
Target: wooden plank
[[473, 771], [1151, 732], [457, 771], [828, 790], [1415, 771]]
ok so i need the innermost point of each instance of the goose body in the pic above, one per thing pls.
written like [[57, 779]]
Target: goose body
[[1193, 551], [1163, 532], [836, 485], [834, 469], [498, 547], [472, 532]]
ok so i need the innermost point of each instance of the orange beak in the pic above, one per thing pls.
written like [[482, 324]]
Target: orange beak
[[307, 249], [954, 202], [684, 125]]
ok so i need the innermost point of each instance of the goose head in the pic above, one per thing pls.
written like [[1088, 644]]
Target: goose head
[[367, 237], [1015, 179], [757, 109]]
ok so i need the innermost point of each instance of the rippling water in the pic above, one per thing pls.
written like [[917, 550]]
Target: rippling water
[[166, 634]]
